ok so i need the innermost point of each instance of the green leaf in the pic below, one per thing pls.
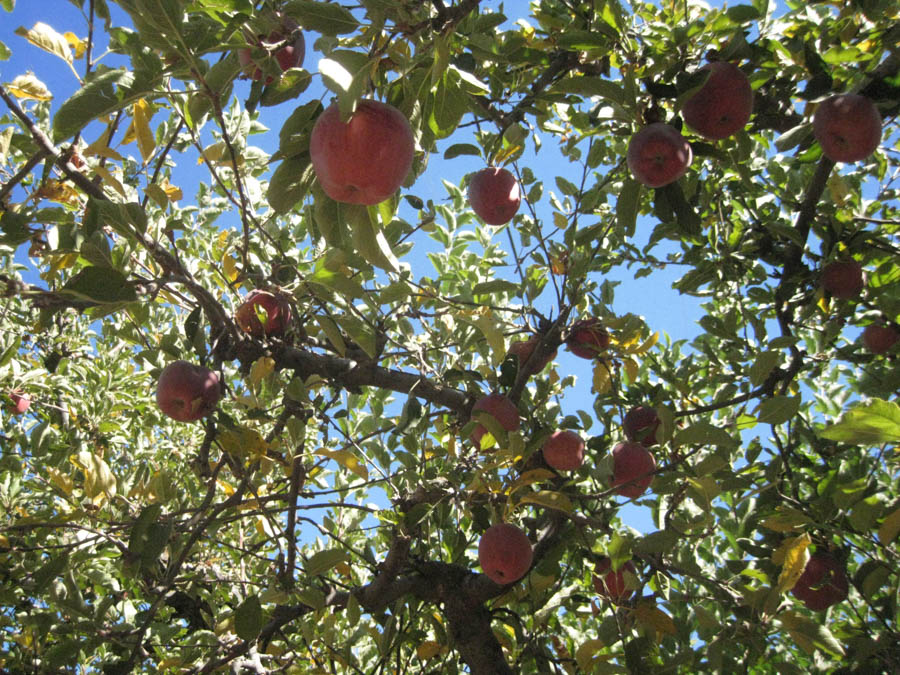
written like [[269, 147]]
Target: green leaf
[[100, 284], [459, 149], [778, 409], [5, 53], [810, 634], [248, 618], [703, 433], [627, 205], [448, 105], [323, 561], [549, 499], [8, 5], [869, 423], [368, 238], [764, 364], [793, 137], [290, 183], [322, 17], [137, 541]]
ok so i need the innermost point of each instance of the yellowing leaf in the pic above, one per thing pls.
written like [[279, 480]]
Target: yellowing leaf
[[261, 369], [529, 477], [158, 196], [586, 655], [99, 481], [141, 115], [28, 87], [230, 265], [110, 179], [810, 634], [61, 480], [889, 529], [346, 459], [75, 43], [57, 191], [173, 192], [244, 442], [631, 369], [602, 378], [429, 649], [787, 520], [43, 36], [490, 327], [792, 555], [548, 498], [653, 617]]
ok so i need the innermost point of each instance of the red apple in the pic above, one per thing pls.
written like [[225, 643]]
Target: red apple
[[843, 279], [822, 584], [523, 351], [21, 402], [640, 425], [365, 159], [289, 56], [564, 450], [587, 338], [848, 127], [633, 467], [612, 584], [501, 409], [504, 553], [658, 155], [494, 195], [275, 308], [186, 392], [722, 106], [880, 338]]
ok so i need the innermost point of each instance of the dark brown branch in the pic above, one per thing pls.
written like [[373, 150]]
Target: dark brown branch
[[32, 162]]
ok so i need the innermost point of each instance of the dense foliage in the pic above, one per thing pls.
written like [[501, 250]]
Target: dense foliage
[[325, 518]]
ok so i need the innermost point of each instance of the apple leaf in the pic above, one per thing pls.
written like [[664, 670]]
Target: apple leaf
[[654, 618], [778, 409], [291, 181], [43, 36], [792, 555], [322, 17], [323, 561], [550, 499], [889, 529], [347, 460], [248, 618], [459, 149], [810, 634], [100, 284], [4, 52], [627, 205], [869, 423], [703, 433]]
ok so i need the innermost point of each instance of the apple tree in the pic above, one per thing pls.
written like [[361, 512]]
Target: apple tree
[[281, 394]]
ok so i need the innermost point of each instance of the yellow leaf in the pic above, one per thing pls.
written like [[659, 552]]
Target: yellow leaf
[[786, 520], [792, 555], [490, 327], [75, 43], [141, 114], [529, 477], [157, 195], [889, 529], [244, 442], [346, 459], [631, 369], [173, 192], [653, 617], [548, 498], [99, 481], [646, 345], [227, 487], [109, 178], [261, 369], [429, 649], [61, 480], [57, 191], [602, 378], [230, 265], [43, 36], [586, 654]]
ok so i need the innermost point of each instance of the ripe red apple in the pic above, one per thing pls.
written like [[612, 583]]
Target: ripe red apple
[[633, 467], [848, 127], [365, 159], [504, 553], [658, 155], [21, 402], [640, 425], [494, 195], [289, 56], [843, 279], [523, 351], [587, 338], [880, 338], [722, 105], [612, 584], [275, 308], [501, 409], [186, 392], [822, 584], [564, 450]]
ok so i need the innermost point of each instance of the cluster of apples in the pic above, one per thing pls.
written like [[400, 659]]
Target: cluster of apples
[[844, 279], [847, 126], [288, 56], [504, 551]]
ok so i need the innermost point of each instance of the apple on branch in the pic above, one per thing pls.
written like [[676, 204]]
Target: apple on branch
[[612, 584], [504, 553], [848, 127], [20, 402], [263, 306], [822, 584], [187, 392], [722, 106], [640, 425], [587, 338], [880, 338], [289, 56], [633, 467], [658, 155], [843, 279], [364, 159], [563, 450], [501, 409], [523, 349], [494, 195]]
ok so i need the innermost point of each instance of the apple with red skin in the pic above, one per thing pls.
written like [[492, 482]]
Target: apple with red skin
[[880, 338], [365, 159], [633, 467], [21, 402], [822, 584], [563, 450], [187, 392], [523, 350], [612, 584], [504, 553], [640, 425], [289, 56], [848, 127], [843, 279], [587, 338], [494, 195], [658, 155], [501, 409], [722, 106], [275, 308]]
